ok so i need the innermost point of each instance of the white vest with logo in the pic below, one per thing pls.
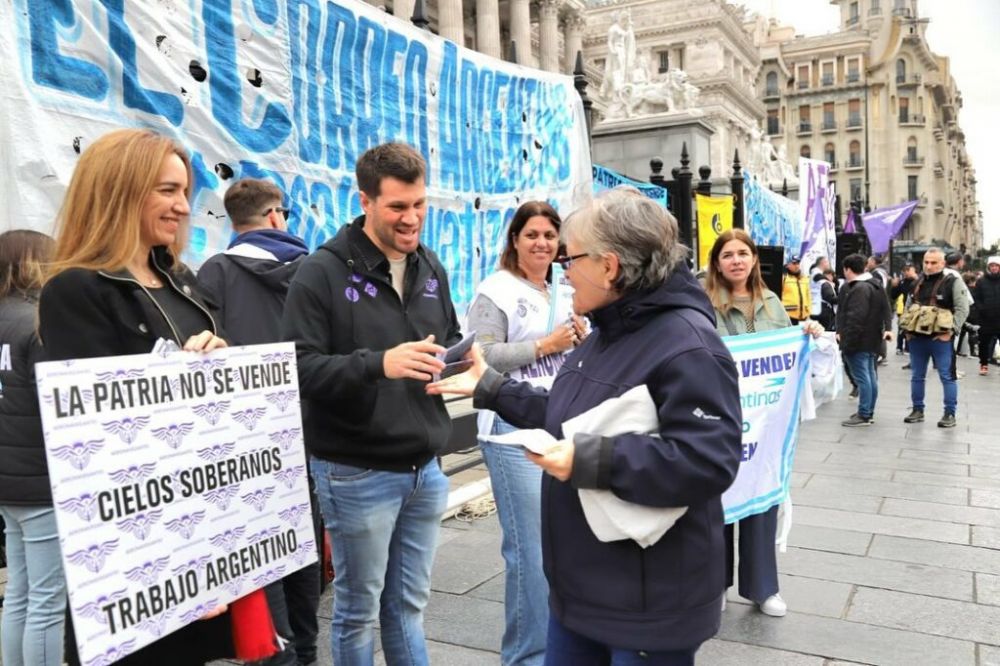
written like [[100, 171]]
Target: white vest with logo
[[530, 316]]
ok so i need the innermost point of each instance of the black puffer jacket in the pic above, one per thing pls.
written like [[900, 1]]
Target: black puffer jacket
[[24, 474], [987, 295]]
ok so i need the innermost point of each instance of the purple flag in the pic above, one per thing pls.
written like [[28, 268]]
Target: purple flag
[[849, 225], [882, 224]]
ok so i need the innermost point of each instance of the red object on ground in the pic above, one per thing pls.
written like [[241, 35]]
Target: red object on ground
[[253, 630]]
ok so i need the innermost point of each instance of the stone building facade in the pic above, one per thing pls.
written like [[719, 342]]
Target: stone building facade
[[874, 101]]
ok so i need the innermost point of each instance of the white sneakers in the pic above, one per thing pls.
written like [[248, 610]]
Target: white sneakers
[[774, 606]]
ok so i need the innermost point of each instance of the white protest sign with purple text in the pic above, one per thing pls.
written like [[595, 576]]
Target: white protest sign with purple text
[[179, 483], [817, 204]]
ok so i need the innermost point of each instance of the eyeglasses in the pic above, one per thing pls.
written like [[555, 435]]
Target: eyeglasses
[[278, 209], [567, 262]]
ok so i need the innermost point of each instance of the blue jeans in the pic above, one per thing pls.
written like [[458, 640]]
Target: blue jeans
[[865, 378], [384, 529], [922, 349], [568, 647], [517, 488], [35, 604]]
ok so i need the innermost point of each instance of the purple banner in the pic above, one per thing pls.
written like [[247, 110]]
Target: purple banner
[[882, 224], [849, 225], [816, 202]]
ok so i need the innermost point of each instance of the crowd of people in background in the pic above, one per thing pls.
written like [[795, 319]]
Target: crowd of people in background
[[370, 314]]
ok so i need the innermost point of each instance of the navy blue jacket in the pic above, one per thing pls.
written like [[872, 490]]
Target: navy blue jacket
[[667, 596]]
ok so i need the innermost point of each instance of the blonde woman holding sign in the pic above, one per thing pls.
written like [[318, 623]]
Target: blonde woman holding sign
[[117, 285]]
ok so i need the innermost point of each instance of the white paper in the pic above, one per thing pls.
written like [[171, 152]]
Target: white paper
[[535, 440]]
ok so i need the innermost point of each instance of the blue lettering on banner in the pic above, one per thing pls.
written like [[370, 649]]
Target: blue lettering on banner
[[749, 449], [334, 79], [765, 365], [51, 68]]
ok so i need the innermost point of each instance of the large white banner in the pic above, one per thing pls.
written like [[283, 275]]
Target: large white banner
[[291, 91], [179, 482], [774, 369]]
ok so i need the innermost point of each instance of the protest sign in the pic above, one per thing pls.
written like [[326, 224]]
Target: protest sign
[[179, 483], [773, 368], [293, 92], [817, 202]]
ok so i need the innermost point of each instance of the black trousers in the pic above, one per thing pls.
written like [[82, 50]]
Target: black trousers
[[758, 559], [987, 338]]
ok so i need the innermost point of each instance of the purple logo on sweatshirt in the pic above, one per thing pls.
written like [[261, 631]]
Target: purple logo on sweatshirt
[[355, 278], [371, 290], [352, 294], [431, 287]]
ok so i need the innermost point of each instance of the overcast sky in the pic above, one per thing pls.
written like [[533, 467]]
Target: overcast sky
[[967, 31]]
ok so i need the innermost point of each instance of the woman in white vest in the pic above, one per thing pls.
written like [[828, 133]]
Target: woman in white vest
[[522, 316]]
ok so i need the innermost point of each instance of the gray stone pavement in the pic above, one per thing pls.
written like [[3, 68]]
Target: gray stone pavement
[[894, 555]]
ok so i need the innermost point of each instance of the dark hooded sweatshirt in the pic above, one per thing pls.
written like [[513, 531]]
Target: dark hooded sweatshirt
[[248, 282], [343, 314], [667, 596]]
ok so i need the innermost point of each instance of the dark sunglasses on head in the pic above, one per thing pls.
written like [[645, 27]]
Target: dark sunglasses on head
[[284, 211], [566, 262]]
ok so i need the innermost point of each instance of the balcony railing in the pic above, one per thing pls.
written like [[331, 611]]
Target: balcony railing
[[854, 121], [902, 11], [773, 129], [772, 92], [828, 79], [854, 163], [913, 80], [802, 84], [853, 20], [916, 119], [853, 77], [805, 128], [833, 163], [913, 161], [875, 11], [829, 125]]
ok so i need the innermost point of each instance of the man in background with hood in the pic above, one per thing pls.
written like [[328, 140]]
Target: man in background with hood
[[987, 295], [248, 284]]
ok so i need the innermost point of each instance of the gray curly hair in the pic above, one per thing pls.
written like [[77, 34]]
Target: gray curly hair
[[639, 231]]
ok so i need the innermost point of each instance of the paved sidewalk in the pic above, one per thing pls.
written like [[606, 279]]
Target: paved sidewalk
[[894, 556]]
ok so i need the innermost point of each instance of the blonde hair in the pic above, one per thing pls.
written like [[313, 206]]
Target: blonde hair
[[23, 253], [716, 284], [100, 221]]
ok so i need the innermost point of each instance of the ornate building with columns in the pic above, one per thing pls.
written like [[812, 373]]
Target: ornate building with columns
[[874, 101], [547, 33], [704, 38]]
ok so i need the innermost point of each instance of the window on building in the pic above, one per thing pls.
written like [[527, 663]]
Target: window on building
[[805, 151], [875, 7], [804, 118], [855, 189], [827, 73], [900, 71], [772, 84], [854, 150], [803, 76], [911, 188], [855, 12], [911, 149], [904, 109], [828, 121], [853, 70], [664, 61], [772, 122], [830, 154], [854, 113]]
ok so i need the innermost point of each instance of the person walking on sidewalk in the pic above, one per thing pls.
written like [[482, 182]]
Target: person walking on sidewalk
[[863, 323], [987, 295], [939, 307]]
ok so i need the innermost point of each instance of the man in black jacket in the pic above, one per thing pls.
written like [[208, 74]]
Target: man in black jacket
[[863, 323], [366, 311], [987, 295], [902, 287], [248, 284]]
